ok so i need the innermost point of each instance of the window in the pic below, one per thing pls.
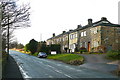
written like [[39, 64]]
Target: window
[[71, 36], [76, 35], [94, 30], [60, 39], [82, 34], [63, 39], [66, 38]]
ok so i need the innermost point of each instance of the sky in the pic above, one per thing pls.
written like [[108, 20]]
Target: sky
[[54, 16]]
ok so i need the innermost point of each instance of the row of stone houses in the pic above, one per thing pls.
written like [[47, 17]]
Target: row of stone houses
[[95, 37]]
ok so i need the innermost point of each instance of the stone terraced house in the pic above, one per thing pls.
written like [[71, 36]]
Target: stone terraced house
[[100, 36]]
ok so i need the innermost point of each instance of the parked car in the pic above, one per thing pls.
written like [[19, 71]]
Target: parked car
[[42, 55]]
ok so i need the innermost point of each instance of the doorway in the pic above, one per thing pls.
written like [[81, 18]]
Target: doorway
[[88, 46]]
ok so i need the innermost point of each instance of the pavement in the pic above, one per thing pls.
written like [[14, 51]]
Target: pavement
[[11, 70]]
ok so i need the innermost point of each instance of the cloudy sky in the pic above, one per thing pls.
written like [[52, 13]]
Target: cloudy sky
[[54, 16]]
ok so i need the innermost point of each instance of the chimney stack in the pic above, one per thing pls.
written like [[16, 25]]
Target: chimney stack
[[79, 26], [89, 21], [53, 34], [64, 32], [104, 18], [70, 30]]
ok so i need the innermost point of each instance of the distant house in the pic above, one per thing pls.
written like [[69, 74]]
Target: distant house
[[61, 39], [100, 36]]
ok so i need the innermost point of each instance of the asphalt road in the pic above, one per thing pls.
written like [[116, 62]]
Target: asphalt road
[[33, 67]]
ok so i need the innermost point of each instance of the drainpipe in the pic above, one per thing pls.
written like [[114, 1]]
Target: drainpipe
[[68, 43]]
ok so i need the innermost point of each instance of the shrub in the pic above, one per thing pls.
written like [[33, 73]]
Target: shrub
[[101, 49], [83, 49], [113, 55], [75, 62]]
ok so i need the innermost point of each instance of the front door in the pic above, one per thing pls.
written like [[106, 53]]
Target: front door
[[88, 46]]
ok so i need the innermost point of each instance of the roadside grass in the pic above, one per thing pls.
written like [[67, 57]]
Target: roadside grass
[[113, 55], [35, 54], [89, 53], [72, 59]]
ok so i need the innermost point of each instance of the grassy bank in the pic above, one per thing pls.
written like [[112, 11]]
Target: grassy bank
[[113, 55], [68, 58]]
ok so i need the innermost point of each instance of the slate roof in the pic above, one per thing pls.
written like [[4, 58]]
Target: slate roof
[[102, 22]]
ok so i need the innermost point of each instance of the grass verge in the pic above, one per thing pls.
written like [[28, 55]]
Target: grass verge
[[113, 55], [72, 59]]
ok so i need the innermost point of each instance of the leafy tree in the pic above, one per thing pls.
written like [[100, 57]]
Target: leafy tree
[[42, 47], [16, 45], [20, 46], [33, 46], [55, 47], [26, 47]]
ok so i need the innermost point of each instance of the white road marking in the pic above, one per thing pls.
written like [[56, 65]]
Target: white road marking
[[50, 76], [58, 64], [24, 73], [79, 70], [58, 71], [40, 62], [67, 75], [51, 66]]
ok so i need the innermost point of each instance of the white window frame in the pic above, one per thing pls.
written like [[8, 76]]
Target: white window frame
[[82, 34], [85, 33], [76, 35]]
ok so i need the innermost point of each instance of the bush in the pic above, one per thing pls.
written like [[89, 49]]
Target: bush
[[83, 49], [75, 62], [35, 54], [113, 55], [101, 49]]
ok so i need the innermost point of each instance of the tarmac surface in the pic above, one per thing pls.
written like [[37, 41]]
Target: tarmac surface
[[33, 67], [21, 66], [100, 63]]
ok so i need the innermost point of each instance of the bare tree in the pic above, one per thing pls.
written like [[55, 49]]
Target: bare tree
[[18, 15], [13, 16]]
